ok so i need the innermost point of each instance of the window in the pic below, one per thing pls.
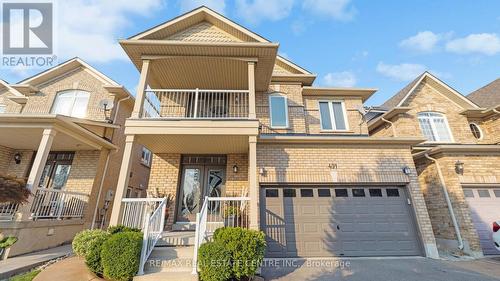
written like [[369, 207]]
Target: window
[[324, 192], [468, 193], [375, 192], [392, 192], [288, 192], [434, 127], [146, 157], [497, 192], [306, 193], [341, 192], [278, 108], [333, 116], [358, 192], [476, 131], [71, 103], [483, 193], [271, 193], [3, 108]]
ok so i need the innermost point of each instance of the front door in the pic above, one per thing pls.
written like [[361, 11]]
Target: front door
[[197, 182]]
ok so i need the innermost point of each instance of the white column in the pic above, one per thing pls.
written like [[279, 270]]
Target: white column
[[143, 83], [40, 159], [251, 90], [36, 170], [123, 178], [253, 182]]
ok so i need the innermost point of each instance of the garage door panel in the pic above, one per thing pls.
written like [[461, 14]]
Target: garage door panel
[[484, 211], [366, 225]]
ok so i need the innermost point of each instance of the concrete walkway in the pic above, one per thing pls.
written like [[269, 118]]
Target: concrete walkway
[[24, 263], [383, 269], [73, 269]]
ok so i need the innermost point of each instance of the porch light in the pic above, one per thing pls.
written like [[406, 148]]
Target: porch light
[[17, 158], [406, 170], [459, 167], [235, 168]]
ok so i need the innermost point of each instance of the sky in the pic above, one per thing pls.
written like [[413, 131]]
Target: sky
[[381, 44]]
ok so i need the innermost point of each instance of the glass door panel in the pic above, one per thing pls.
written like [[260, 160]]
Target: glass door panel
[[190, 194], [214, 188], [61, 174]]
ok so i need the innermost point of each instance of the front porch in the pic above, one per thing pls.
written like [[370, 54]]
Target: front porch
[[61, 161]]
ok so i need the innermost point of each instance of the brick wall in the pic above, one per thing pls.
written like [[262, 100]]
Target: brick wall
[[83, 171], [11, 107], [6, 154], [310, 160], [237, 183], [164, 178], [479, 168]]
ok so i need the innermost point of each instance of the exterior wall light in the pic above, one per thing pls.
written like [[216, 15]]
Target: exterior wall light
[[406, 170], [459, 167], [262, 171], [17, 158], [235, 168]]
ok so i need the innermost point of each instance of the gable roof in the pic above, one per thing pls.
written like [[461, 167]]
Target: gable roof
[[488, 95], [205, 25], [194, 17], [399, 98], [62, 69]]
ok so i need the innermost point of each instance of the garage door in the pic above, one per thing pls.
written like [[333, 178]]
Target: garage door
[[484, 204], [350, 221]]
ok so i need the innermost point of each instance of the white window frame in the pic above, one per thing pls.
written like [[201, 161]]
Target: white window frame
[[54, 104], [271, 111], [3, 108], [146, 161], [332, 116], [480, 131], [433, 126]]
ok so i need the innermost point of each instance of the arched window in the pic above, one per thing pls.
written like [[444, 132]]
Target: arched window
[[71, 103], [278, 110], [476, 131], [435, 127]]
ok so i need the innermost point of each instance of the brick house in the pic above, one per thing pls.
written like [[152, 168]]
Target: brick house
[[230, 123], [55, 133], [459, 164]]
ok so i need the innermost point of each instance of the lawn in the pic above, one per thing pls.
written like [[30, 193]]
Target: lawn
[[28, 276]]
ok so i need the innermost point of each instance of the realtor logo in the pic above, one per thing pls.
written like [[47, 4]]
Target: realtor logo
[[27, 34], [27, 28]]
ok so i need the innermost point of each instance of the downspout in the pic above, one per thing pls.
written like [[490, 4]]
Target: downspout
[[106, 166], [391, 124], [448, 202]]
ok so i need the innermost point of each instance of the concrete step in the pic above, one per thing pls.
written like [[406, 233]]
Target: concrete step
[[170, 259], [177, 276], [190, 226], [176, 238]]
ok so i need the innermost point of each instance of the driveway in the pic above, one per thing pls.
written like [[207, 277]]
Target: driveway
[[386, 269]]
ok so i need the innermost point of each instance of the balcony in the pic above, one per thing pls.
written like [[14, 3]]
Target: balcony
[[196, 104]]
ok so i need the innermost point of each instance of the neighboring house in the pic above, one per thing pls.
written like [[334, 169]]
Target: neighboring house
[[225, 116], [460, 159], [55, 133]]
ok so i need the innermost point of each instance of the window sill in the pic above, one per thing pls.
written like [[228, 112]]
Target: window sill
[[336, 132]]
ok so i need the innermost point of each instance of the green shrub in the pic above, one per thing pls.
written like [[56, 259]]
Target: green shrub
[[93, 252], [83, 238], [247, 248], [8, 241], [121, 255], [214, 261], [122, 228], [28, 276]]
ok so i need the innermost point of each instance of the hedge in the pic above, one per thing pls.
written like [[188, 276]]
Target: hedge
[[93, 252], [122, 228], [83, 238], [214, 261], [121, 255]]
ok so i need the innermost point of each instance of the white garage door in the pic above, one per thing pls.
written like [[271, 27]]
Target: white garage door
[[484, 204]]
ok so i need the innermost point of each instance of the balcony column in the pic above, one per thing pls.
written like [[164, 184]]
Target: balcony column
[[141, 87], [253, 183], [36, 171], [251, 90], [123, 178]]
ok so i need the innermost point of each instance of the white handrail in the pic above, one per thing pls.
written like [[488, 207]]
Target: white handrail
[[218, 212], [153, 227], [56, 204]]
